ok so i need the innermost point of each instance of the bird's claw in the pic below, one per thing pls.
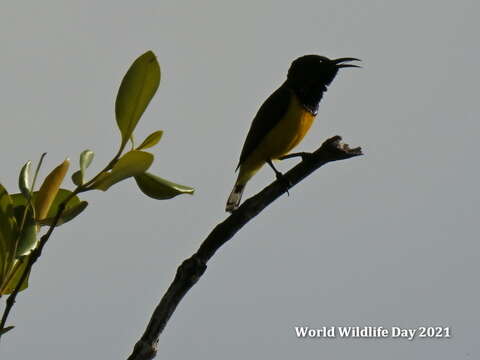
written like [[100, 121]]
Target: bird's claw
[[284, 181], [280, 177]]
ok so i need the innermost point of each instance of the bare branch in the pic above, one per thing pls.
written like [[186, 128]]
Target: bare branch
[[193, 268]]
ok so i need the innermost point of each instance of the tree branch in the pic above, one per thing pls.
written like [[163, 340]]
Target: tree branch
[[193, 268]]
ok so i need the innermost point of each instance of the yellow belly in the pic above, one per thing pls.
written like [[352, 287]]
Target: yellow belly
[[280, 140]]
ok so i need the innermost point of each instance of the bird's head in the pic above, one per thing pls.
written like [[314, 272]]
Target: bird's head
[[315, 71]]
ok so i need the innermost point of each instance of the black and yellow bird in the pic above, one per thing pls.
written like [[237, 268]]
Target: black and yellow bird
[[285, 117]]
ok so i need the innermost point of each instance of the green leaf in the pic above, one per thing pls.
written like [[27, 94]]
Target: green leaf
[[62, 195], [77, 178], [67, 215], [151, 140], [131, 164], [160, 189], [8, 232], [24, 180], [27, 240], [14, 276], [86, 158], [136, 90], [7, 217], [6, 329], [49, 189]]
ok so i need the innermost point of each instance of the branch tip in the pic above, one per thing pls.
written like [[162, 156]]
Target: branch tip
[[335, 145]]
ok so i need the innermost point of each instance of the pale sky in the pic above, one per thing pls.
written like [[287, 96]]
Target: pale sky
[[387, 239]]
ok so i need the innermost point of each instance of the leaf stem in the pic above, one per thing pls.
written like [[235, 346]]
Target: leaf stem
[[37, 170], [111, 164]]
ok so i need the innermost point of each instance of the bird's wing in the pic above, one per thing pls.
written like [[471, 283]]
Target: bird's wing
[[269, 114]]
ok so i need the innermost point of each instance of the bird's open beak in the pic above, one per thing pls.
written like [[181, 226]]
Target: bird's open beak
[[339, 62]]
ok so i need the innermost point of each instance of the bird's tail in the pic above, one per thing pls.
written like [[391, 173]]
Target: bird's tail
[[235, 197]]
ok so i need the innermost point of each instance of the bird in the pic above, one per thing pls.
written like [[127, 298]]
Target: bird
[[285, 117]]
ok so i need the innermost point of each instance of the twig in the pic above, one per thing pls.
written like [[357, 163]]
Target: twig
[[34, 255], [193, 268]]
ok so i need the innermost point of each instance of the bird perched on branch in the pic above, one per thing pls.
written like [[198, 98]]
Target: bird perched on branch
[[285, 117]]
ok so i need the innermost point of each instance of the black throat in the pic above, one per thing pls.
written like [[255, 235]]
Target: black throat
[[309, 96]]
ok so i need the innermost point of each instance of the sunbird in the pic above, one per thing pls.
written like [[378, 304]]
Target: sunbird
[[285, 117]]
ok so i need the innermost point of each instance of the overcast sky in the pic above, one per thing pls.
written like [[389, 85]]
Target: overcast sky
[[387, 239]]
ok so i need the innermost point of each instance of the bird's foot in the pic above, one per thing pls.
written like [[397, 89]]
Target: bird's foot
[[281, 178], [284, 181], [304, 155]]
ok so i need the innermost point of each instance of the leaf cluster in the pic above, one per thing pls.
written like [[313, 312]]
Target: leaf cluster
[[23, 214]]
